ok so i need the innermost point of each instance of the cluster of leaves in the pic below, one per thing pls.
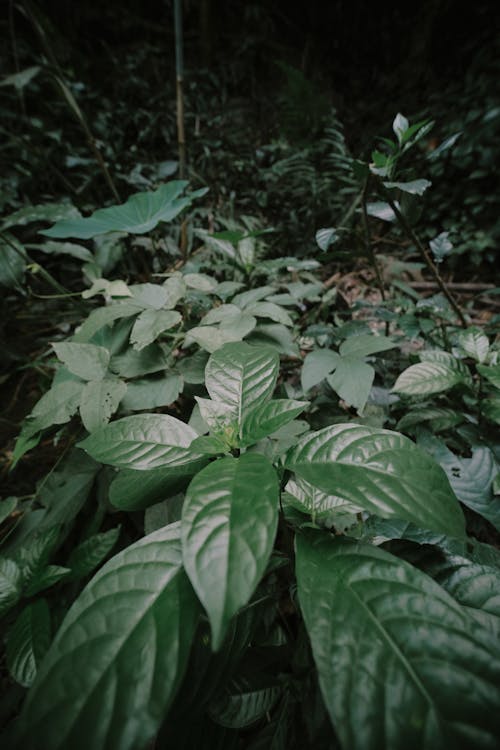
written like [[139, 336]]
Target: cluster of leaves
[[286, 562]]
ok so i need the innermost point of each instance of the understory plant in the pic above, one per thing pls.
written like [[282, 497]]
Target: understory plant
[[232, 551]]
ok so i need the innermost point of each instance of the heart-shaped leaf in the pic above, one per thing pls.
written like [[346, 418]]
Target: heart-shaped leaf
[[87, 361]]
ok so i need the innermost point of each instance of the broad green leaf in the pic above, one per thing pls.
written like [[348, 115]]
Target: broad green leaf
[[414, 187], [352, 380], [216, 415], [364, 345], [12, 263], [141, 213], [211, 338], [491, 373], [200, 281], [57, 406], [28, 641], [104, 316], [242, 376], [192, 368], [380, 210], [44, 212], [243, 703], [87, 361], [118, 656], [133, 364], [136, 490], [238, 325], [271, 311], [475, 344], [490, 407], [401, 664], [151, 393], [317, 365], [266, 418], [150, 323], [475, 586], [274, 336], [46, 578], [11, 580], [89, 554], [70, 249], [218, 314], [471, 478], [176, 289], [229, 522], [100, 400], [326, 237], [150, 296], [428, 377], [380, 471], [400, 126], [441, 418], [142, 441], [107, 288], [251, 296]]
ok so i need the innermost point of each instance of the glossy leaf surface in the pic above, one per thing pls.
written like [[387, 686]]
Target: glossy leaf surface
[[229, 521], [380, 471], [265, 419], [401, 664], [118, 656], [143, 441]]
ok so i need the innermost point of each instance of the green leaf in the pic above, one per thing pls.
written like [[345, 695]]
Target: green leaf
[[133, 364], [70, 249], [475, 344], [118, 656], [401, 664], [103, 316], [28, 641], [352, 380], [150, 296], [200, 281], [414, 187], [142, 441], [44, 212], [12, 263], [271, 311], [317, 365], [274, 336], [151, 393], [380, 210], [242, 376], [491, 373], [251, 296], [211, 338], [380, 471], [11, 579], [216, 415], [441, 418], [57, 406], [45, 578], [474, 586], [364, 345], [90, 553], [430, 377], [150, 324], [100, 400], [400, 126], [229, 522], [441, 246], [141, 213], [471, 478], [265, 419], [7, 507], [308, 499], [87, 361], [326, 237], [135, 490], [243, 703], [21, 79]]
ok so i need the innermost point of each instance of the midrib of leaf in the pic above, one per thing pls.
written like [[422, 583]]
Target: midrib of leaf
[[393, 646], [120, 644]]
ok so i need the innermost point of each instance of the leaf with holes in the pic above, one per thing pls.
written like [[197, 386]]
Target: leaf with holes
[[100, 400], [400, 663], [118, 656], [229, 522], [380, 471]]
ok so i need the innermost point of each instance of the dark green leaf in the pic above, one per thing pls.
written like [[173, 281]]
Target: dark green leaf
[[265, 419], [136, 490], [28, 642]]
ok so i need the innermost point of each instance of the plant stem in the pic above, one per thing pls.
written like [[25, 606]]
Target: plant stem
[[368, 244], [425, 255]]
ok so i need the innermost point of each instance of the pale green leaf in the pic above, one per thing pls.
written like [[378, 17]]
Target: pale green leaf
[[229, 522], [414, 187], [474, 343], [142, 441], [352, 380], [150, 324], [151, 393], [100, 400], [87, 361], [242, 376], [271, 311], [364, 345], [317, 365], [491, 373]]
